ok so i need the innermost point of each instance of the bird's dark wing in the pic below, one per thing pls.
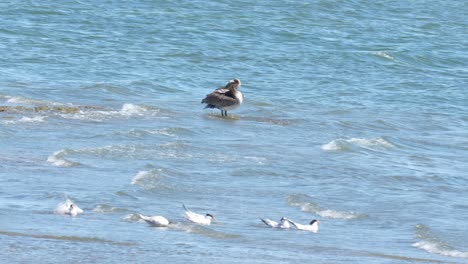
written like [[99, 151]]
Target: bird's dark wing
[[220, 98]]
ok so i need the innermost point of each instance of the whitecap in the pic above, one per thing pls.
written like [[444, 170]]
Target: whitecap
[[143, 176], [169, 132], [347, 144], [132, 218], [23, 100], [149, 179], [131, 109], [105, 208], [383, 54], [436, 248], [432, 244], [334, 145], [57, 159], [25, 119], [304, 203], [338, 215], [99, 115]]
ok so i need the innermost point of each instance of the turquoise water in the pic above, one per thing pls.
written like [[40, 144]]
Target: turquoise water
[[355, 113]]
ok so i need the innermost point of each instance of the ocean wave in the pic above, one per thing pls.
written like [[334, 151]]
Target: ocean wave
[[205, 231], [144, 176], [75, 112], [383, 54], [304, 203], [133, 217], [67, 238], [98, 115], [169, 132], [26, 101], [152, 179], [349, 144], [58, 159], [25, 119], [113, 151], [105, 208], [432, 244]]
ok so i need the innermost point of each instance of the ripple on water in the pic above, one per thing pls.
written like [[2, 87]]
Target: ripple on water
[[352, 143], [304, 202], [435, 245], [68, 238]]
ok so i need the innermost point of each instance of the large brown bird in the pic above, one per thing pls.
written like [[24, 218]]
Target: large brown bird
[[225, 98]]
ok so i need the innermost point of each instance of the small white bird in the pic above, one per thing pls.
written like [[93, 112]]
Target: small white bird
[[68, 207], [283, 223], [198, 218], [312, 226], [158, 221]]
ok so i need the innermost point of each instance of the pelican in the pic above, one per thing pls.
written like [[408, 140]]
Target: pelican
[[227, 98], [158, 221], [312, 226], [198, 218], [283, 223]]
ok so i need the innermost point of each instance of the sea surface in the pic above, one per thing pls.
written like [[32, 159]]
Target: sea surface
[[355, 113]]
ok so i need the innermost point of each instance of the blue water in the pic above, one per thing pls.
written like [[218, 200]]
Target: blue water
[[355, 113]]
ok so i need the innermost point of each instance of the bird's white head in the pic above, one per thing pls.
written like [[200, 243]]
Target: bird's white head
[[236, 83]]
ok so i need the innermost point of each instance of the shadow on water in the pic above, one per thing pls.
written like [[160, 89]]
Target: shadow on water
[[273, 121], [68, 238]]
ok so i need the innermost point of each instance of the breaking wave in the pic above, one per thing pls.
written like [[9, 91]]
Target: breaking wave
[[99, 115], [58, 159], [383, 54], [25, 119], [169, 132], [18, 105], [105, 208], [349, 144], [304, 203], [152, 179], [432, 244]]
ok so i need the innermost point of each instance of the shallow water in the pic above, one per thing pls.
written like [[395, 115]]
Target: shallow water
[[354, 114]]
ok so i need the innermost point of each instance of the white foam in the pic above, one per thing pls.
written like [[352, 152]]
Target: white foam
[[334, 145], [25, 119], [140, 176], [432, 244], [132, 218], [338, 215], [436, 248], [141, 132], [384, 54], [131, 109], [302, 201], [22, 100], [104, 208], [126, 111], [57, 159], [345, 144], [146, 178]]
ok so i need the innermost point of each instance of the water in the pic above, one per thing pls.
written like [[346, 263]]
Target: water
[[354, 114]]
